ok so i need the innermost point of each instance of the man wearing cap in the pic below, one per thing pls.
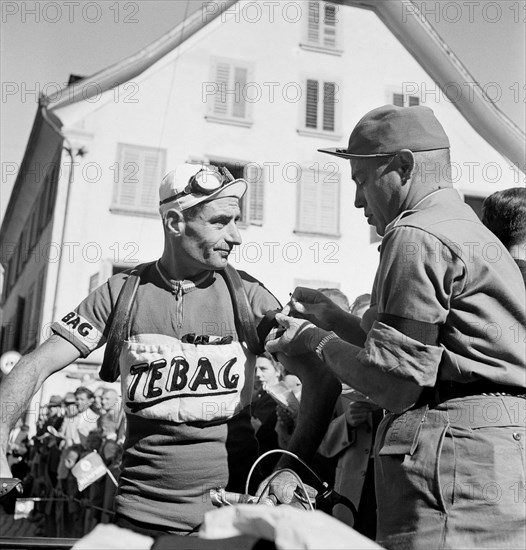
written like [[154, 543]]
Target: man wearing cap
[[441, 347], [53, 418], [186, 377]]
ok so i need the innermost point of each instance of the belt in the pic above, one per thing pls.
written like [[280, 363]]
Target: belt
[[446, 390]]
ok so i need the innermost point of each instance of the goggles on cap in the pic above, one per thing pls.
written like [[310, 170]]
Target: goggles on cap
[[207, 181]]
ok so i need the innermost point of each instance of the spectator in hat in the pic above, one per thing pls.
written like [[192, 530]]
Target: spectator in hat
[[186, 361], [504, 214], [70, 405], [423, 350], [80, 419], [54, 413]]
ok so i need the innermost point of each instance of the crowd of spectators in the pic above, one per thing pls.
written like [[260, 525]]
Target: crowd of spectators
[[69, 427]]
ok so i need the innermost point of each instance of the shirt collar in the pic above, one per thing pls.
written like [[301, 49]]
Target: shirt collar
[[183, 286], [418, 206]]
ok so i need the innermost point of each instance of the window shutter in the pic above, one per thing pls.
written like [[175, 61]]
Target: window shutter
[[413, 101], [229, 99], [222, 81], [307, 211], [256, 193], [329, 203], [139, 172], [129, 182], [318, 208], [329, 92], [151, 176], [398, 100], [329, 27], [313, 24], [240, 81], [311, 115]]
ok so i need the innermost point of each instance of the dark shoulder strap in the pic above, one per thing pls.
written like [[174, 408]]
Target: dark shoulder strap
[[245, 322], [118, 332]]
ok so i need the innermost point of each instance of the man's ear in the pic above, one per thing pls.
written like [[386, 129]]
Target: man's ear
[[406, 164], [174, 222]]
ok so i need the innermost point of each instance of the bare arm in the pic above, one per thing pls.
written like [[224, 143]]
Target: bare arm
[[19, 387], [320, 390]]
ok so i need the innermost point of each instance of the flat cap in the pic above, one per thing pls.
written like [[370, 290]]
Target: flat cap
[[386, 130]]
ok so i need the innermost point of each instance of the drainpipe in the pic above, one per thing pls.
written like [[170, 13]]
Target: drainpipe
[[43, 103]]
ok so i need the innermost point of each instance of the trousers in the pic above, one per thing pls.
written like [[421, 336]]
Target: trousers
[[453, 476]]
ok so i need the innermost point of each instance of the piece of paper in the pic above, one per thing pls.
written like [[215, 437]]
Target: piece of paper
[[111, 537], [285, 397], [23, 508], [288, 527]]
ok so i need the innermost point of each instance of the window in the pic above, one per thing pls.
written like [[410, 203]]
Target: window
[[4, 339], [8, 279], [253, 202], [401, 100], [319, 116], [321, 28], [51, 187], [19, 324], [318, 203], [137, 174], [227, 95], [256, 193], [7, 336]]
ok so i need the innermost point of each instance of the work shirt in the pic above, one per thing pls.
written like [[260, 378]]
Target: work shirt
[[440, 265], [187, 404]]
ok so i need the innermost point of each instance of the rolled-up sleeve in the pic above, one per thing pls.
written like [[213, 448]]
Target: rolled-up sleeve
[[418, 276], [391, 351]]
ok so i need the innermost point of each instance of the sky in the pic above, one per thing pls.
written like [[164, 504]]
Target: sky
[[43, 42]]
